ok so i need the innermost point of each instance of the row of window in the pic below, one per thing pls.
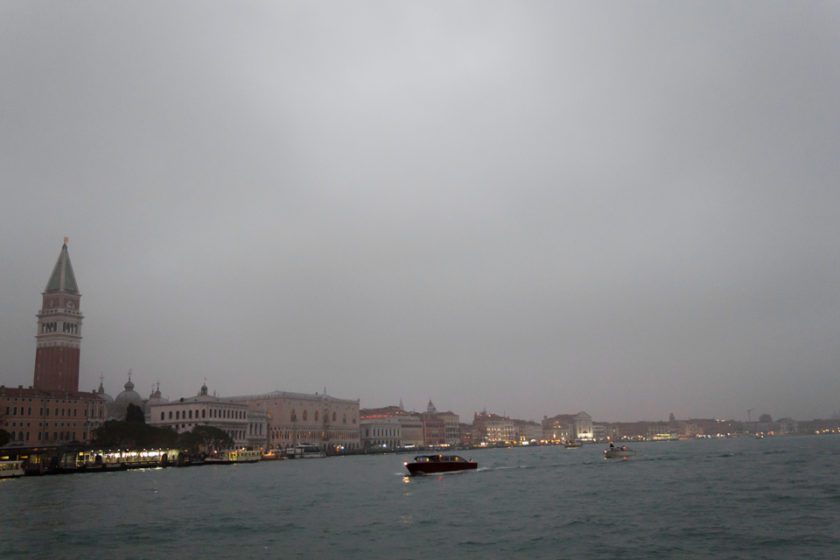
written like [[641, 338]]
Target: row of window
[[56, 436], [49, 401], [42, 424], [293, 416], [60, 412], [286, 435], [382, 432], [214, 413], [67, 328], [235, 434], [53, 302]]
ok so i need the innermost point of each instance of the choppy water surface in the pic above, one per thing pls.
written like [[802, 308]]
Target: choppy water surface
[[737, 498]]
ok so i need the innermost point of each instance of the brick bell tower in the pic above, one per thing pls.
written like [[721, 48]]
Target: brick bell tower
[[59, 330]]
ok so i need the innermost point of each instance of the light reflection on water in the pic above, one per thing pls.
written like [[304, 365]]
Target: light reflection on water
[[771, 498]]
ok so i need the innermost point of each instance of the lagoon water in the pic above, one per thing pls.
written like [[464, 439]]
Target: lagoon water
[[733, 498]]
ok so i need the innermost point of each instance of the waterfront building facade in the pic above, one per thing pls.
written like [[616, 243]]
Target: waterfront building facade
[[184, 414], [528, 431], [557, 429], [604, 432], [380, 433], [493, 429], [257, 436], [466, 434], [433, 430], [411, 429], [295, 418], [568, 427], [53, 411], [583, 427], [440, 428], [451, 427], [34, 417], [410, 424]]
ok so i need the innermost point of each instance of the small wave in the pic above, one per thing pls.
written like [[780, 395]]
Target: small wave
[[656, 459]]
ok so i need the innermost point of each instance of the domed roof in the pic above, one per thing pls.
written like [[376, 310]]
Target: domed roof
[[155, 397], [103, 395], [129, 396]]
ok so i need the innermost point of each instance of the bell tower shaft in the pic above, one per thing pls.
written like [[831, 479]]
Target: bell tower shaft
[[59, 334]]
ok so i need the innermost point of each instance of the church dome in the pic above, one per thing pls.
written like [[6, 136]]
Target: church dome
[[129, 396], [103, 395], [155, 397]]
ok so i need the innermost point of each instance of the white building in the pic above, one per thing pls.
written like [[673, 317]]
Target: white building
[[381, 433], [583, 427], [184, 414]]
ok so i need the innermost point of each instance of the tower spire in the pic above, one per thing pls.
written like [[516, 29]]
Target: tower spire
[[62, 278], [59, 330]]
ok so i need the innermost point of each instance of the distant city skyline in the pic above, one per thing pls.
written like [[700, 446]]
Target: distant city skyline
[[535, 209]]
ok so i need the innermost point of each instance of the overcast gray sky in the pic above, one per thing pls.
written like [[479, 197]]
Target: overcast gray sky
[[628, 208]]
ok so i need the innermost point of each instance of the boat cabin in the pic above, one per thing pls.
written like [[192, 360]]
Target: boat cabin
[[439, 459]]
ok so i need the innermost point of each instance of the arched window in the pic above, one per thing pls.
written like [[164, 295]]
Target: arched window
[[333, 416], [316, 415], [293, 416], [304, 415]]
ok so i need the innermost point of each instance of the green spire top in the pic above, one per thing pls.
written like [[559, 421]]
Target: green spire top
[[62, 278]]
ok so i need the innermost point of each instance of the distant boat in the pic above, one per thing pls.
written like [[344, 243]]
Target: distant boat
[[233, 456], [305, 451], [435, 464], [621, 452], [273, 455], [572, 444]]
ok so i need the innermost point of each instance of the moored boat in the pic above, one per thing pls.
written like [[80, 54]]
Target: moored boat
[[572, 444], [273, 455], [233, 456], [305, 451], [434, 464], [11, 469]]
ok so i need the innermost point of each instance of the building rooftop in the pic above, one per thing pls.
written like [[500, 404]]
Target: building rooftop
[[287, 394]]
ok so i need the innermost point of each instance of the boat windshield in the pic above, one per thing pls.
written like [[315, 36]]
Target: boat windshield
[[439, 459]]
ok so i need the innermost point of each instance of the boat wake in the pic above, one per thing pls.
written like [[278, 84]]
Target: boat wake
[[504, 468]]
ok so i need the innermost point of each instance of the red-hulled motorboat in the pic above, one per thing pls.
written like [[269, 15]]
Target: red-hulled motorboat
[[434, 464]]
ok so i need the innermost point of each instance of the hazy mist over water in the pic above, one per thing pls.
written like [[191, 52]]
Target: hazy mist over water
[[628, 208]]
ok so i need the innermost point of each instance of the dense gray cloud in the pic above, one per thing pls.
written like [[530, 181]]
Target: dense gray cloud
[[530, 207]]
